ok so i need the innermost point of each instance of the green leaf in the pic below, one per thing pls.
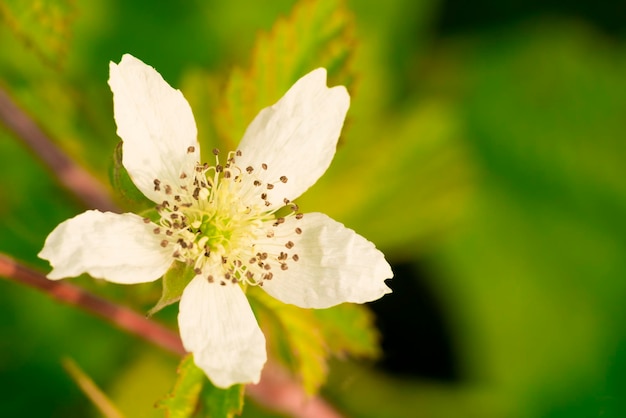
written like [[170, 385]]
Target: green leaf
[[349, 329], [222, 403], [316, 34], [182, 401], [174, 282], [294, 337]]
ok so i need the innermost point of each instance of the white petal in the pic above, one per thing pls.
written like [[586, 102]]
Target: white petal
[[217, 325], [297, 136], [117, 248], [156, 125], [335, 265]]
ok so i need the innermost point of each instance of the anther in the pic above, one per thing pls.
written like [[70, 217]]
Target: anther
[[191, 149], [210, 279], [295, 257], [257, 183], [270, 186], [283, 179], [267, 267], [252, 260], [224, 260], [227, 174], [298, 230], [222, 283], [295, 207], [164, 243], [264, 166], [284, 266], [198, 271], [157, 230], [216, 151], [168, 233], [168, 189], [249, 169], [267, 203], [268, 276], [177, 198], [289, 244], [263, 196], [299, 215], [146, 220], [219, 168], [183, 176]]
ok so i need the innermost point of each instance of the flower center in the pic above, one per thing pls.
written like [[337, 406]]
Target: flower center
[[219, 220]]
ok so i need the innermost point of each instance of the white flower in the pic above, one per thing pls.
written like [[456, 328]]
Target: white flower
[[222, 219]]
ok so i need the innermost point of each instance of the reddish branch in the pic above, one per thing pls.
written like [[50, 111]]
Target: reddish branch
[[67, 293], [276, 390]]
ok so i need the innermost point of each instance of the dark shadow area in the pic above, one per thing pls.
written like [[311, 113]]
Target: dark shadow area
[[416, 339]]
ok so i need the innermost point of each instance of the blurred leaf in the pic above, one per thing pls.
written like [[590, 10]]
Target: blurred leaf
[[42, 26], [400, 180], [537, 273], [222, 403], [89, 388], [349, 329], [174, 282], [318, 33], [294, 337], [182, 401]]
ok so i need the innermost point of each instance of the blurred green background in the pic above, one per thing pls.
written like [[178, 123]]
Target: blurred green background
[[482, 155]]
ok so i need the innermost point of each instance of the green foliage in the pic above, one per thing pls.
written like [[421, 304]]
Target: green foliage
[[294, 338], [194, 396], [318, 33], [43, 27], [182, 401], [348, 329], [220, 403]]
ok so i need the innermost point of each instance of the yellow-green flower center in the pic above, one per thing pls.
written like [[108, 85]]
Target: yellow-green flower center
[[218, 218]]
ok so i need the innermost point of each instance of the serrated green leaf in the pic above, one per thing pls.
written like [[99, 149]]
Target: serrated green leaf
[[294, 337], [174, 282], [222, 403], [318, 33], [182, 401], [122, 183], [349, 329]]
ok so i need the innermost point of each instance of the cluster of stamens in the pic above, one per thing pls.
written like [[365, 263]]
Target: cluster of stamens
[[210, 222]]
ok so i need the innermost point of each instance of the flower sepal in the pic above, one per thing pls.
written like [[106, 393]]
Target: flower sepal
[[123, 183], [174, 282]]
